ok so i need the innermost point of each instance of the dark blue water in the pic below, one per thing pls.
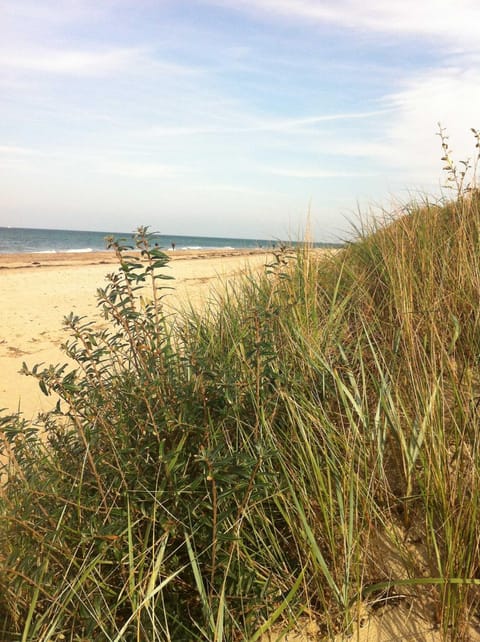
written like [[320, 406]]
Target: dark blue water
[[16, 239]]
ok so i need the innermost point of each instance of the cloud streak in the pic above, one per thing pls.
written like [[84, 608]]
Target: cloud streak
[[450, 96], [138, 169], [455, 22], [94, 63], [258, 125], [15, 150], [313, 172], [82, 62]]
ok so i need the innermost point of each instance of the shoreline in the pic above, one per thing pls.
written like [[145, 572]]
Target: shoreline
[[16, 260]]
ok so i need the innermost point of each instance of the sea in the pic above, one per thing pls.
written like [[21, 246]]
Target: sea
[[22, 239]]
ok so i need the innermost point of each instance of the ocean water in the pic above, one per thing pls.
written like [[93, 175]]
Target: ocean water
[[16, 239], [21, 239]]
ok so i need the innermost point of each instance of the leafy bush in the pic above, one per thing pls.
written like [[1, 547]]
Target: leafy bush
[[125, 508]]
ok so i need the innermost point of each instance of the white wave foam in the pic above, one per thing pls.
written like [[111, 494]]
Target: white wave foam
[[70, 251]]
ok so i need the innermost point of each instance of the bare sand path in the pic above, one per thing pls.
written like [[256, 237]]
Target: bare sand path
[[37, 291]]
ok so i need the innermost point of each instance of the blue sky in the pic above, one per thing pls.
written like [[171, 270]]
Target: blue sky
[[229, 117]]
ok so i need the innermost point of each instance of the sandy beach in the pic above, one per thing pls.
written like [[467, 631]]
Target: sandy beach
[[38, 290]]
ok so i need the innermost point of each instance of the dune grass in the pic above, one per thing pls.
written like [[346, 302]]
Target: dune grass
[[306, 444]]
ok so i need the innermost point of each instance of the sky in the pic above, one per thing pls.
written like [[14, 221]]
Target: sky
[[236, 118]]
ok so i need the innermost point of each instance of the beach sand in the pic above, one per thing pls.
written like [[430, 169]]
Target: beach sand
[[38, 290]]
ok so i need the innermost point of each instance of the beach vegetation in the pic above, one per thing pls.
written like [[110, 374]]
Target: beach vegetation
[[307, 445]]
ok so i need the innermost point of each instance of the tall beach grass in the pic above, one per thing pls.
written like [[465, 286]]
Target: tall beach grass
[[305, 446]]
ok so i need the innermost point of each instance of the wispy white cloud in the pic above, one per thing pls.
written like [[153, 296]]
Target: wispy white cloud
[[187, 130], [17, 157], [92, 161], [450, 96], [225, 188], [137, 169], [34, 17], [244, 123], [305, 122], [96, 62], [337, 145], [313, 172], [17, 150], [455, 22]]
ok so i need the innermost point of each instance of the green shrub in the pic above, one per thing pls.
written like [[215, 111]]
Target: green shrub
[[125, 508]]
